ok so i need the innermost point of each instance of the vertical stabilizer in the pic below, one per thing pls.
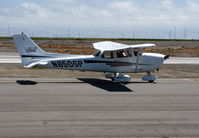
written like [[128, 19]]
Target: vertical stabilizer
[[27, 49], [25, 45]]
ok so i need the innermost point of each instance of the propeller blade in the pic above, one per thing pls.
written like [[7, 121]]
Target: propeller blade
[[166, 57]]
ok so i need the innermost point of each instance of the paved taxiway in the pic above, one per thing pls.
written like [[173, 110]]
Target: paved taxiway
[[15, 58], [98, 108]]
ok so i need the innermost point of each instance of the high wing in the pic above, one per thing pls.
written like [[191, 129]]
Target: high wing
[[112, 46]]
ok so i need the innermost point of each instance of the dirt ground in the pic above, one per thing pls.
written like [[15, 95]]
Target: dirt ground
[[173, 48]]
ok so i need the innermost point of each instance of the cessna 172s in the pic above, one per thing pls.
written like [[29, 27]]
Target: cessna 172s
[[112, 58]]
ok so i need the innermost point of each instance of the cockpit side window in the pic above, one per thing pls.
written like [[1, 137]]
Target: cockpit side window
[[124, 53], [136, 52], [129, 53], [117, 54]]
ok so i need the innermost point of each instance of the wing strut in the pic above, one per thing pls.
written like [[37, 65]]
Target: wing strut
[[137, 60]]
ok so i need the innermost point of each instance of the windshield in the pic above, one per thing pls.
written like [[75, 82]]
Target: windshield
[[97, 53]]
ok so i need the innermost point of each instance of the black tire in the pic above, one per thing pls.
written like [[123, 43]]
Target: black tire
[[151, 81]]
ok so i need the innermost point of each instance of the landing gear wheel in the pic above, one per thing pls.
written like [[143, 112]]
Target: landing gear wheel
[[118, 77], [151, 81], [149, 77]]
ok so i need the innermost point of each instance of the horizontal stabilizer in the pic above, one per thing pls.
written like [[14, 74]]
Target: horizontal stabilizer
[[36, 63]]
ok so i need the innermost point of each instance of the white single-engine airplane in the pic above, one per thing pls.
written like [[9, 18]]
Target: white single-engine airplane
[[112, 58]]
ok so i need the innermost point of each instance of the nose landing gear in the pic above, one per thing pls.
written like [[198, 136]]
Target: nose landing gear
[[149, 77]]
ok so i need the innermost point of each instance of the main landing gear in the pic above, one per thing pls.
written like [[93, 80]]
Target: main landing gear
[[118, 77], [149, 77]]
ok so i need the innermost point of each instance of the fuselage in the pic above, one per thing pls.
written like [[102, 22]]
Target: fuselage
[[112, 58], [143, 63]]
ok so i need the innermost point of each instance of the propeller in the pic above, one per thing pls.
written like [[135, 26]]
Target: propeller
[[166, 57]]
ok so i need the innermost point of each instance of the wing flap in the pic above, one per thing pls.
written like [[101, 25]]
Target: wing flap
[[142, 46]]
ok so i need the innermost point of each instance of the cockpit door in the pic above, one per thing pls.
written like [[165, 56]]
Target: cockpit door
[[137, 55]]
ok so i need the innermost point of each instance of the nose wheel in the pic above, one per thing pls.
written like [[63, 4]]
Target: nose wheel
[[149, 77]]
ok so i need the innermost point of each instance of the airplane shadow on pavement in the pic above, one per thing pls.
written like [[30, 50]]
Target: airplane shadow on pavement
[[99, 83], [106, 85], [26, 82]]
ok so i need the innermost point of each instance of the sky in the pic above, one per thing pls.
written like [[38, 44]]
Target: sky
[[101, 18]]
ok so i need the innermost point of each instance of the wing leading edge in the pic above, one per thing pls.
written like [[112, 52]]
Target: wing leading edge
[[112, 46]]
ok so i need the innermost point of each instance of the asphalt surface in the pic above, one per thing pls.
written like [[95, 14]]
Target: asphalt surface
[[9, 57], [56, 108], [15, 58]]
